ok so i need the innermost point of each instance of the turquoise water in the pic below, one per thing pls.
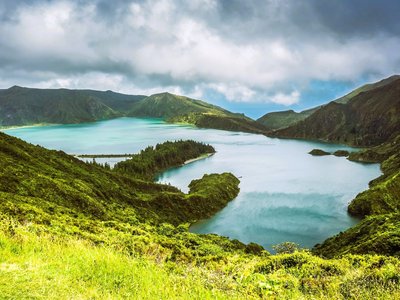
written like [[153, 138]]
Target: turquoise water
[[286, 194]]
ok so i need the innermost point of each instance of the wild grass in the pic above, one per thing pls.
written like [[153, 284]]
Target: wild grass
[[39, 265]]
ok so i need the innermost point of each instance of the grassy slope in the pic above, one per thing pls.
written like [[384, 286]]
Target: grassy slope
[[179, 109], [75, 230], [26, 106], [166, 105], [40, 265]]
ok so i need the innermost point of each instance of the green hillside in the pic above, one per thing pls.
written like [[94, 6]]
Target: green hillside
[[283, 119], [368, 119], [166, 105], [70, 229], [26, 106], [230, 122], [180, 109]]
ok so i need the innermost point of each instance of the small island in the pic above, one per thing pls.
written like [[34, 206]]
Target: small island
[[341, 153], [318, 152]]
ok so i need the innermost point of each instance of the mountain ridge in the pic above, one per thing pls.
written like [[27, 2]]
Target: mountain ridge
[[283, 119], [20, 106], [368, 119]]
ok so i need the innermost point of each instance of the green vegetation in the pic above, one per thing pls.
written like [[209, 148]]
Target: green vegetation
[[368, 119], [231, 122], [70, 229], [36, 264], [152, 160], [166, 105], [74, 230], [341, 153], [26, 106], [318, 152], [104, 155], [179, 109], [375, 234], [282, 119], [378, 233]]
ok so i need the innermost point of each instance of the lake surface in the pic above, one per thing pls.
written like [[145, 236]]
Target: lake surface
[[286, 194]]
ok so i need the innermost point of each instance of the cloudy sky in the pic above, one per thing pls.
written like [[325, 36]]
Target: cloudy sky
[[249, 56]]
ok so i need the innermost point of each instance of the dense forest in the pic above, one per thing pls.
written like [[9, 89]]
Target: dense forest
[[153, 160]]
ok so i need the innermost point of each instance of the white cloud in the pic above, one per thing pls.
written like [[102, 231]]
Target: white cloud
[[286, 99], [233, 92]]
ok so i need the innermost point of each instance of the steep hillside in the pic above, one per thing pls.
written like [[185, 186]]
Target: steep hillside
[[367, 87], [283, 119], [368, 119], [26, 106], [179, 109]]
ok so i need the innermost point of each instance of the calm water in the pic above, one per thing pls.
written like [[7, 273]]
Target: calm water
[[286, 194]]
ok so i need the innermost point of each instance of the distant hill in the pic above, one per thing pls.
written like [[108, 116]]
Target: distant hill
[[283, 119], [27, 106], [166, 105], [369, 118], [180, 109]]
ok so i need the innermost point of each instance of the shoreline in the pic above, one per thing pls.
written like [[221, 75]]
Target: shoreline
[[203, 156], [4, 128]]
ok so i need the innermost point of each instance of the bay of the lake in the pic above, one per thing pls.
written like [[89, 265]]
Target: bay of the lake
[[285, 193]]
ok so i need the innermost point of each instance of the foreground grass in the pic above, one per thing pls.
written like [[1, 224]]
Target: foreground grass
[[44, 266]]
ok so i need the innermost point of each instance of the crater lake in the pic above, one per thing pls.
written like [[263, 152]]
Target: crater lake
[[285, 193]]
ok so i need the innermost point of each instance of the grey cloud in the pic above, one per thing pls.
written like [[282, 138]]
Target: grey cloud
[[249, 50]]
